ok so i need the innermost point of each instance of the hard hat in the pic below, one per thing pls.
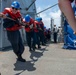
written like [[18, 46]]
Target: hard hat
[[44, 26], [37, 19], [40, 18], [27, 18], [15, 4]]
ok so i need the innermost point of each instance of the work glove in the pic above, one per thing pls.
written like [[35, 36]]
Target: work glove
[[31, 26]]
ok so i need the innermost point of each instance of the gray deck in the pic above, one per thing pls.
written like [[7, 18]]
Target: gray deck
[[50, 60]]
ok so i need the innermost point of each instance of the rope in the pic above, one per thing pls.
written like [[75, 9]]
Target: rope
[[47, 8]]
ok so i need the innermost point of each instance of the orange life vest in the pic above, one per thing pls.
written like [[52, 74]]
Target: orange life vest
[[13, 16]]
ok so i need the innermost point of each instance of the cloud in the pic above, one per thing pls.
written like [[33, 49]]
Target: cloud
[[46, 16], [56, 16]]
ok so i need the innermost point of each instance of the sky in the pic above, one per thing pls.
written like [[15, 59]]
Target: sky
[[50, 13]]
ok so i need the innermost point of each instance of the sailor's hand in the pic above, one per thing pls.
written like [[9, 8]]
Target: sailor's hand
[[40, 29], [74, 33], [2, 15], [31, 26]]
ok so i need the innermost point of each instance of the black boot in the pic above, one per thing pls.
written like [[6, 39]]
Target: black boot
[[39, 46], [21, 59], [30, 49], [33, 48], [43, 44]]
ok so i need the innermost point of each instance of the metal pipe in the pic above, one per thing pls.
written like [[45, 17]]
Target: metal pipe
[[1, 30], [30, 5]]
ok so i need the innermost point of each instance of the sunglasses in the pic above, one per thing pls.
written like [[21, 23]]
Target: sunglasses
[[14, 8]]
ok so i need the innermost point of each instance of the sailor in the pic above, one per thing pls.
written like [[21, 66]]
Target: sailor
[[29, 21], [41, 32], [55, 33], [11, 16], [36, 32]]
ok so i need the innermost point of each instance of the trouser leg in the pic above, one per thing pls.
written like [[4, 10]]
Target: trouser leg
[[55, 37], [16, 42], [28, 38]]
